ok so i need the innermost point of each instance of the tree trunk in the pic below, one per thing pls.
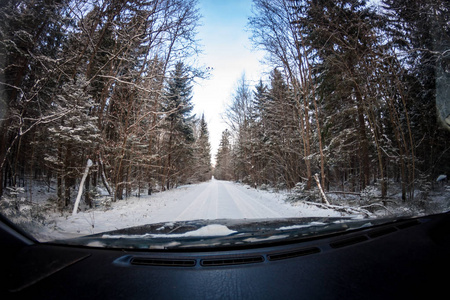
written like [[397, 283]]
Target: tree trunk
[[364, 148], [80, 189]]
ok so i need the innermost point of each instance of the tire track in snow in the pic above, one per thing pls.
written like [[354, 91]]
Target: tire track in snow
[[202, 206], [249, 206], [223, 200]]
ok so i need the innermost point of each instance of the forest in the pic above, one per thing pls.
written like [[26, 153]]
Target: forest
[[350, 103], [104, 89], [103, 84]]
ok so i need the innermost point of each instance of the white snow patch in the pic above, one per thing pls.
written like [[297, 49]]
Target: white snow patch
[[165, 246], [441, 178], [170, 224], [205, 231], [273, 237], [302, 226], [95, 244]]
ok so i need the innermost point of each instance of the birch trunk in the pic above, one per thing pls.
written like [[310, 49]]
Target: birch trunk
[[80, 190]]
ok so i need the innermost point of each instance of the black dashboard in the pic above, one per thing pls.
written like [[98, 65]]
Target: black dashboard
[[409, 259]]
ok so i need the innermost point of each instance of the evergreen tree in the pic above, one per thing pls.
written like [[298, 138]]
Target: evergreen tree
[[179, 140], [224, 166], [284, 136], [71, 136], [31, 34], [342, 39], [420, 31], [262, 172], [202, 154]]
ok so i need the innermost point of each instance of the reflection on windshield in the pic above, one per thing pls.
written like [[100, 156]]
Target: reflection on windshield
[[107, 122]]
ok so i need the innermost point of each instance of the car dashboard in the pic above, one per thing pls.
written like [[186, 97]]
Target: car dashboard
[[403, 259]]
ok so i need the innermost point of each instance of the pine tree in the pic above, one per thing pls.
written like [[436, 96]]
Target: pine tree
[[179, 140], [71, 136], [262, 172], [30, 39], [342, 38], [202, 151], [420, 31], [224, 166]]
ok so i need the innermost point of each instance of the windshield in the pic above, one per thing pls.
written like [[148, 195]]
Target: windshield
[[309, 114]]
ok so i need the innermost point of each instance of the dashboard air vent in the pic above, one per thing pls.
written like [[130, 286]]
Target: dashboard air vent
[[381, 232], [147, 261], [292, 254], [408, 224], [226, 261], [349, 241]]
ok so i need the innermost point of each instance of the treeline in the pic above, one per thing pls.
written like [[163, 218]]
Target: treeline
[[105, 81], [351, 99]]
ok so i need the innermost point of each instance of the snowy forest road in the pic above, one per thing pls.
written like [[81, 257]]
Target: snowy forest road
[[214, 199], [217, 199]]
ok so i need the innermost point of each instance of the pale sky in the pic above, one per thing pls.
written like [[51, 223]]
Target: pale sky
[[227, 49]]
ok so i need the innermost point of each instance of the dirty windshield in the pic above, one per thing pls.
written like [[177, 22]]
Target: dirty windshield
[[116, 115]]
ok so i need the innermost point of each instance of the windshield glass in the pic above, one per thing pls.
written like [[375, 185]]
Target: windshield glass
[[305, 113]]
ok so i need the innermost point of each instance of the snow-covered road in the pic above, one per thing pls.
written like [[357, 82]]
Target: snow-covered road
[[209, 200], [226, 200]]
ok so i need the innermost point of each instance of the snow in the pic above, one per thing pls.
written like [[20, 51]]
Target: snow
[[273, 237], [441, 178], [205, 231], [302, 226], [209, 200]]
